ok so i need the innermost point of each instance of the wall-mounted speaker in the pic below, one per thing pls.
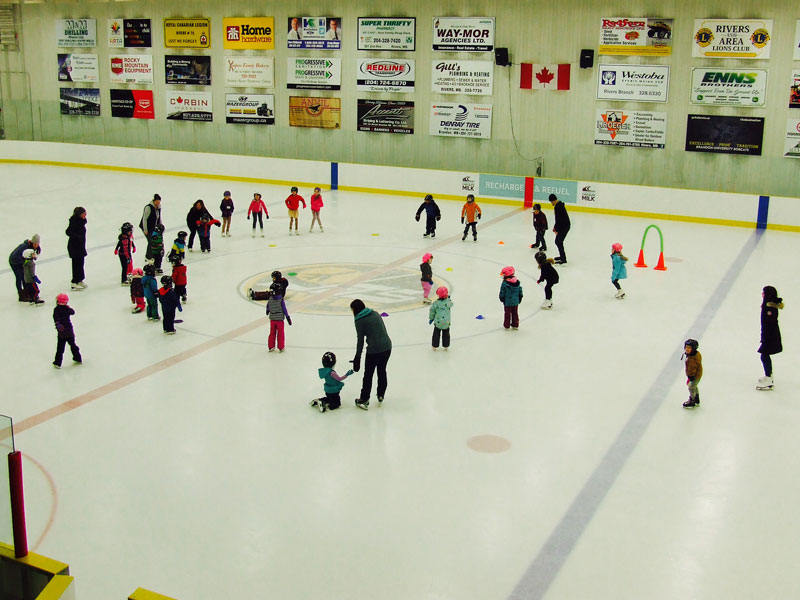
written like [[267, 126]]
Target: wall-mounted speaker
[[501, 57], [587, 59]]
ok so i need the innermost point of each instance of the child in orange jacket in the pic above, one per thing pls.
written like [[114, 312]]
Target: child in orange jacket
[[472, 212]]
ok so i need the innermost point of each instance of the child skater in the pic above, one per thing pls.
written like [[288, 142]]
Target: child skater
[[770, 334], [155, 248], [470, 210], [439, 317], [178, 247], [125, 249], [150, 288], [66, 334], [204, 232], [511, 297], [549, 275], [169, 302], [257, 206], [694, 372], [316, 206], [226, 208], [427, 277], [293, 203], [29, 278], [179, 277], [137, 291], [432, 214], [276, 309], [332, 386], [618, 270], [539, 226]]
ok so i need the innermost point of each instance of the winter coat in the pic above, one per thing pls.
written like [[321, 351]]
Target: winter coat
[[61, 318], [276, 309], [256, 206], [284, 283], [226, 207], [694, 366], [331, 385], [470, 212], [29, 270], [150, 287], [370, 327], [169, 300], [76, 232], [439, 313], [179, 275], [204, 227], [15, 258], [770, 331], [178, 249], [511, 292], [151, 216], [562, 223], [155, 245], [548, 273], [618, 270], [137, 289], [195, 214], [430, 208], [427, 272], [293, 202], [316, 202], [125, 246], [540, 221]]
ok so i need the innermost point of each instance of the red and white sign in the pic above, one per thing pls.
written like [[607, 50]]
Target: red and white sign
[[132, 68], [544, 77]]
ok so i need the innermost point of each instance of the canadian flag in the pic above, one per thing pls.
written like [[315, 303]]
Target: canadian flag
[[544, 77]]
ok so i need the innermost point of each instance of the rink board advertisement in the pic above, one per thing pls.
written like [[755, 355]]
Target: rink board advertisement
[[633, 83], [187, 33], [130, 33], [729, 87], [132, 68], [796, 55], [501, 186], [791, 148], [635, 36], [187, 69], [84, 102], [78, 68], [132, 104], [250, 109], [732, 38], [470, 77], [461, 120], [630, 128], [385, 75], [566, 191], [189, 106], [313, 73], [397, 34], [724, 134], [76, 33], [794, 90], [463, 34], [251, 33], [324, 113], [385, 116], [314, 33], [250, 71]]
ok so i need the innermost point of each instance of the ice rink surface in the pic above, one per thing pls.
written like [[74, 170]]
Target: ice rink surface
[[555, 461]]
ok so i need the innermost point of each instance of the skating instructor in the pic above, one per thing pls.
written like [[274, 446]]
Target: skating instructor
[[369, 325]]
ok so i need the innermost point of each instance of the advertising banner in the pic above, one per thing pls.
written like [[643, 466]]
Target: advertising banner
[[250, 71], [633, 83], [78, 68], [314, 33], [130, 33], [250, 109], [313, 73], [566, 191], [797, 41], [385, 116], [397, 34], [76, 33], [501, 186], [187, 69], [794, 90], [250, 33], [791, 148], [325, 113], [729, 87], [189, 106], [461, 120], [635, 36], [630, 128], [84, 102], [732, 38], [385, 75], [132, 68], [724, 135], [463, 34], [132, 104], [187, 33], [470, 77]]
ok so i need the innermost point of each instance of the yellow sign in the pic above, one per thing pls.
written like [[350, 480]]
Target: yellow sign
[[187, 33], [315, 112], [249, 33]]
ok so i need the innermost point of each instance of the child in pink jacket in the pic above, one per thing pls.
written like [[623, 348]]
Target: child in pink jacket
[[316, 205]]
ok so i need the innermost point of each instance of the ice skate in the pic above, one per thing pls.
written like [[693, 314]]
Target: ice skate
[[426, 235], [765, 384], [262, 234], [314, 402], [547, 304], [363, 405], [475, 238], [253, 234], [691, 403], [620, 294], [463, 237]]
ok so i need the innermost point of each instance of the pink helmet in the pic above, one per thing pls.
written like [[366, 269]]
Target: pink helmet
[[137, 271], [442, 292], [62, 299], [426, 257], [507, 272], [617, 247]]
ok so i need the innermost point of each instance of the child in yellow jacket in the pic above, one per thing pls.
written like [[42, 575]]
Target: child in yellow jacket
[[471, 212]]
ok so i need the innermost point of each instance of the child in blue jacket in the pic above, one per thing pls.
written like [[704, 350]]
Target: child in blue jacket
[[510, 296], [150, 286], [332, 386], [432, 213], [618, 270]]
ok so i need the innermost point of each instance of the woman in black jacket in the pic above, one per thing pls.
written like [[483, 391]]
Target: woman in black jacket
[[76, 246], [197, 212], [770, 334]]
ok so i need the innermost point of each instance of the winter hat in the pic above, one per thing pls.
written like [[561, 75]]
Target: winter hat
[[507, 272], [442, 292], [62, 299], [537, 207], [226, 193], [770, 294], [35, 238], [156, 197], [617, 247], [316, 189], [426, 257]]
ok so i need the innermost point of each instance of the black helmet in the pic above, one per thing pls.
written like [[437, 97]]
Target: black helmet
[[328, 360], [540, 257], [182, 234], [537, 207], [428, 197], [294, 189], [149, 269], [126, 227], [166, 281], [175, 259], [693, 344], [470, 198], [276, 274]]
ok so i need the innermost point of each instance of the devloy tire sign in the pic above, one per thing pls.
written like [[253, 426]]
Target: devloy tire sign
[[313, 73], [251, 109], [732, 38], [633, 83], [461, 120], [634, 129], [472, 77], [250, 71], [387, 33], [377, 75], [463, 34], [729, 87], [132, 68], [189, 106]]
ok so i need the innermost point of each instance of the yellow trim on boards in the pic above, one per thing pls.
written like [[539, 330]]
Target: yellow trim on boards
[[56, 587], [35, 561], [777, 227], [143, 594]]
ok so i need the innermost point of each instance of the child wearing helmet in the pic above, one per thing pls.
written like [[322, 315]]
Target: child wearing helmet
[[549, 275], [332, 386], [204, 232], [439, 317], [539, 226], [66, 334], [125, 249], [618, 270], [316, 206], [472, 213], [511, 297], [178, 247], [137, 291], [29, 278], [694, 371], [293, 203], [427, 277], [155, 248], [226, 208], [169, 302], [150, 290], [432, 215], [179, 278], [276, 311]]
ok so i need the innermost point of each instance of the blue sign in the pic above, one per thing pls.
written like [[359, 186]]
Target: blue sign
[[502, 186], [567, 191]]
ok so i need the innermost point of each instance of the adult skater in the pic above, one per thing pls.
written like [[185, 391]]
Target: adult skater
[[195, 214], [76, 246], [151, 216], [369, 325], [560, 228], [15, 260]]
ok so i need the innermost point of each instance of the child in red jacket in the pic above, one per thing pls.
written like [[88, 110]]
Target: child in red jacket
[[179, 276], [293, 203], [256, 207], [204, 232], [316, 205]]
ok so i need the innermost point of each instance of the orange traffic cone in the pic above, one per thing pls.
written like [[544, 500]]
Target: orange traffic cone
[[640, 260], [660, 266]]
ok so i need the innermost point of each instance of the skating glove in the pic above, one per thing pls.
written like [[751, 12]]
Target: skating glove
[[356, 364], [349, 372], [417, 218], [439, 218], [462, 222], [267, 216], [430, 321], [37, 280], [479, 216], [289, 320]]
